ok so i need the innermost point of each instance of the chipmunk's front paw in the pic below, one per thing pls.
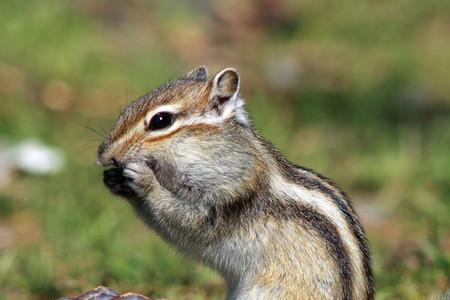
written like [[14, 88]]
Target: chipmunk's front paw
[[132, 181], [117, 182], [141, 178]]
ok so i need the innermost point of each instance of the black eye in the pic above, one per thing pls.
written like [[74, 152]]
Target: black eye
[[160, 120]]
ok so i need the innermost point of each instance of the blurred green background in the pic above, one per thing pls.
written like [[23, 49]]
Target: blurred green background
[[357, 90]]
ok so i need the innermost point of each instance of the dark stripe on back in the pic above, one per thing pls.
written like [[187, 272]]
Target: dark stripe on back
[[258, 205], [291, 172], [328, 232]]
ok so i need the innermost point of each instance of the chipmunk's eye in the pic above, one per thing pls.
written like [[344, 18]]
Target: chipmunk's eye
[[160, 120]]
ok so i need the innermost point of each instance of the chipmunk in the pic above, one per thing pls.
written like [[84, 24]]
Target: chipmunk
[[188, 160]]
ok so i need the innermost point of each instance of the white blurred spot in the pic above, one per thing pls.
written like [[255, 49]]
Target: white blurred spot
[[33, 157]]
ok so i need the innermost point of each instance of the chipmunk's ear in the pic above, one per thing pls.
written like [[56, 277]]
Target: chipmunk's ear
[[223, 96], [199, 74], [225, 87]]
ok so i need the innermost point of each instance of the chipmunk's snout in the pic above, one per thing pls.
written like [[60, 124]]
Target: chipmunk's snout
[[108, 162], [105, 159], [112, 155]]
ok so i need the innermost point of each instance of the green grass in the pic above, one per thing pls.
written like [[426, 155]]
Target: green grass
[[369, 107]]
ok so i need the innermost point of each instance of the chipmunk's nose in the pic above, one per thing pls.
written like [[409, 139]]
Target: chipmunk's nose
[[101, 161], [105, 159], [104, 162]]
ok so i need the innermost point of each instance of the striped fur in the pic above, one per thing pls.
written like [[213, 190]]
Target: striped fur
[[216, 190]]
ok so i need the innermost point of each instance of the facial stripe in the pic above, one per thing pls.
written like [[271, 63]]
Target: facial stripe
[[183, 120], [181, 123], [202, 126]]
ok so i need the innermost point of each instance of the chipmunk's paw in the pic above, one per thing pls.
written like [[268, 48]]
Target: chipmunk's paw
[[141, 178], [135, 180], [117, 182]]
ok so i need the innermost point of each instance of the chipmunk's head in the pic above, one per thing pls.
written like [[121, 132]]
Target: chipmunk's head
[[185, 113]]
